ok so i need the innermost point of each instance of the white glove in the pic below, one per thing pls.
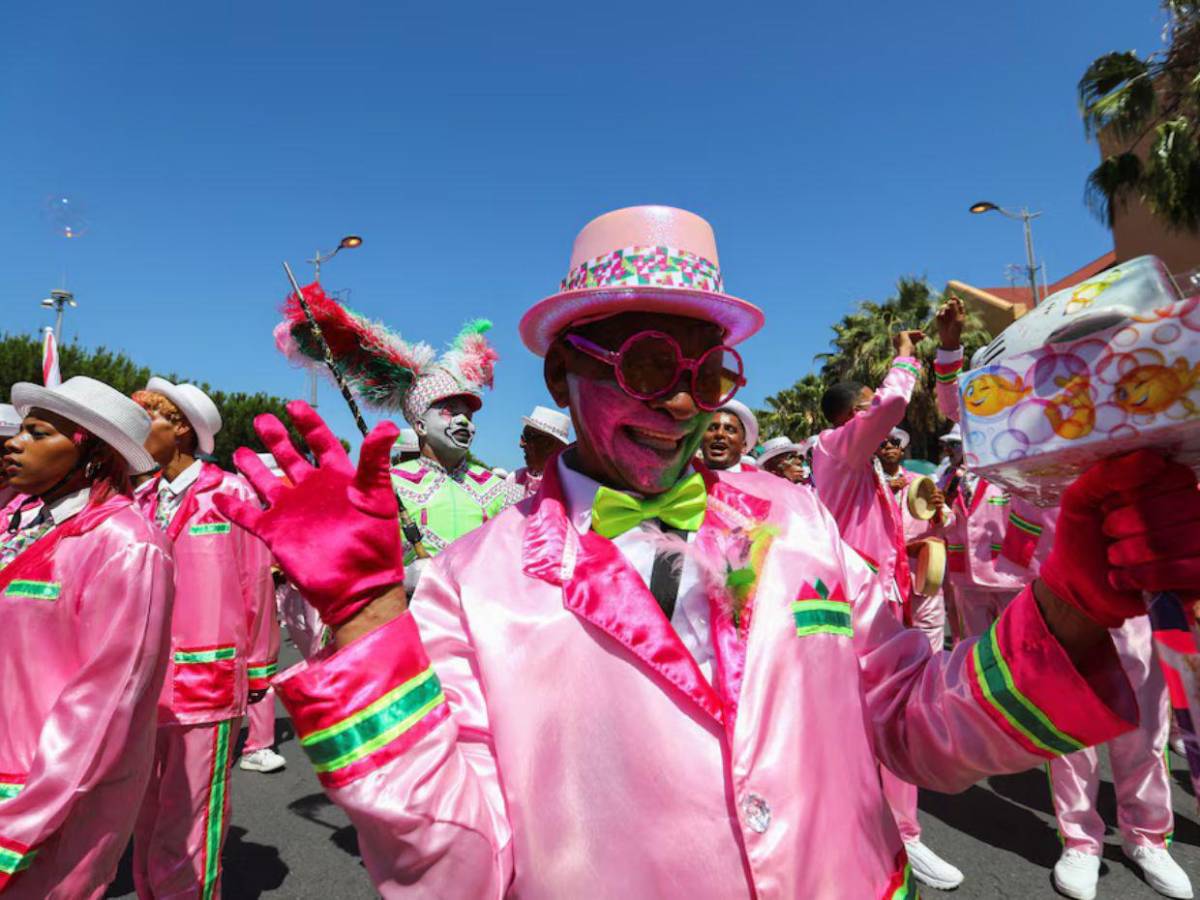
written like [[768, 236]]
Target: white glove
[[412, 575]]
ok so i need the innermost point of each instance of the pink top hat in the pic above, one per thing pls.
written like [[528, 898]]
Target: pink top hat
[[643, 258]]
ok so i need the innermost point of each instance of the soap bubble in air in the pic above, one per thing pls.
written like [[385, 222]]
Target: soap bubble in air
[[67, 216]]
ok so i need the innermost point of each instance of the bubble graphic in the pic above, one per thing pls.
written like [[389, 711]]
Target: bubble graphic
[[1123, 431], [1109, 417], [975, 438], [1054, 368], [1030, 420], [1166, 333], [67, 216], [1126, 337], [1012, 444]]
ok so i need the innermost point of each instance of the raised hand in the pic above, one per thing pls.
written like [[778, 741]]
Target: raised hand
[[335, 531], [951, 317], [906, 342], [1127, 525]]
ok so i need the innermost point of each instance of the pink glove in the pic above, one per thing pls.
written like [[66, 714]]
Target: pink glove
[[335, 532], [1151, 507]]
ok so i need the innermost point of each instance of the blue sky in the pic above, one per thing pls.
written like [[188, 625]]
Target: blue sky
[[834, 147]]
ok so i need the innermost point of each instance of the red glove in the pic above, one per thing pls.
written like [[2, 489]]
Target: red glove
[[335, 532], [1126, 525]]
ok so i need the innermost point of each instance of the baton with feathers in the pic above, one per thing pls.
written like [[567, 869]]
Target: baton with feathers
[[412, 533]]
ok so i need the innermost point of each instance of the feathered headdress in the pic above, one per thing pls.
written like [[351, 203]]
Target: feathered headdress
[[387, 372]]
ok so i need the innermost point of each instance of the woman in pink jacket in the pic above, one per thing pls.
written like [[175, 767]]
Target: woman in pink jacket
[[85, 607], [223, 648], [566, 712]]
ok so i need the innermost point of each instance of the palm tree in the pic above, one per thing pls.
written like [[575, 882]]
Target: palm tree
[[794, 412], [1133, 98]]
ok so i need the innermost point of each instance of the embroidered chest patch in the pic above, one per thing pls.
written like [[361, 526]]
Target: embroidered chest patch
[[205, 528], [34, 590], [819, 610]]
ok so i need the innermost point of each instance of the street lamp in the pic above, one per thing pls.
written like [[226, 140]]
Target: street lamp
[[57, 301], [1026, 217], [349, 242]]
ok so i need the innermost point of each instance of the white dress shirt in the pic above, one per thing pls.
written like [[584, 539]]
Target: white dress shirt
[[170, 493], [691, 616], [60, 510]]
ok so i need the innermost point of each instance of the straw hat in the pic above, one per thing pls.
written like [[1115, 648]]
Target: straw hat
[[549, 421], [96, 407], [197, 407], [646, 259]]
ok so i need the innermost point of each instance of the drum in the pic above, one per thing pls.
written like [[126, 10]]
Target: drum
[[920, 498], [930, 568]]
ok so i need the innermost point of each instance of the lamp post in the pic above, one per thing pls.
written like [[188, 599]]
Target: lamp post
[[1026, 218], [57, 301], [349, 242]]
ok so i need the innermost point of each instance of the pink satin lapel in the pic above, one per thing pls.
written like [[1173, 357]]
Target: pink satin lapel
[[210, 477], [604, 590], [42, 551]]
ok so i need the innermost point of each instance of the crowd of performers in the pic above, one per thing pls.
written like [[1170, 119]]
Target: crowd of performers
[[649, 663]]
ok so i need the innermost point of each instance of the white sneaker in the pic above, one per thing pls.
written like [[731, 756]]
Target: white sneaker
[[929, 868], [1161, 872], [1076, 874], [264, 760]]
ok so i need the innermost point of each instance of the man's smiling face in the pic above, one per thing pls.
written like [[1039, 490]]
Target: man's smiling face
[[637, 445]]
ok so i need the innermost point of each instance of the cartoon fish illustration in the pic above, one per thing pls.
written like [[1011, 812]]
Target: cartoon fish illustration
[[1084, 295], [1077, 397], [991, 393], [1148, 390]]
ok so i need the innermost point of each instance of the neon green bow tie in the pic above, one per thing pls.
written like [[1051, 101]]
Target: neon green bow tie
[[682, 507]]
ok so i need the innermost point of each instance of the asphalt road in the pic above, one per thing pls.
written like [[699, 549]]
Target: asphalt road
[[287, 840]]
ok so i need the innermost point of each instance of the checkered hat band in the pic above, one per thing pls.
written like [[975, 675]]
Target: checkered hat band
[[436, 384], [646, 267]]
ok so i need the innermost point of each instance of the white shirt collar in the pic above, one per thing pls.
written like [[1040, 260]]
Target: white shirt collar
[[69, 505], [578, 493], [184, 479]]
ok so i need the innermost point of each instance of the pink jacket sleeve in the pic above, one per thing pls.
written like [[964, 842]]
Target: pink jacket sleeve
[[1005, 702], [258, 591], [92, 730], [407, 752], [946, 368], [856, 442]]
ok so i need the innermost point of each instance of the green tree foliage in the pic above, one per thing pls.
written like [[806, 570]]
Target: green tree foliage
[[21, 360], [861, 350], [1156, 96]]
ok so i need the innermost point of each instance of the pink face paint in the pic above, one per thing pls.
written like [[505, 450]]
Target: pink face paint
[[633, 445]]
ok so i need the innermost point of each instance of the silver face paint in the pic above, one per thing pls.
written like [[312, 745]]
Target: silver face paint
[[447, 430]]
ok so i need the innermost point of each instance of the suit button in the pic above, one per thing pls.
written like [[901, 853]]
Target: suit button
[[757, 813]]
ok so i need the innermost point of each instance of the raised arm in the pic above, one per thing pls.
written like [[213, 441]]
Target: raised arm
[[856, 441], [948, 363]]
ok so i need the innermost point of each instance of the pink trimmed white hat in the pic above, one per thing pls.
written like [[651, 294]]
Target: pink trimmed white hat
[[646, 259]]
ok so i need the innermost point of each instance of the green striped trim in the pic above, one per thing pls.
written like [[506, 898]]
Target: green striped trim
[[214, 828], [183, 657], [908, 367], [209, 528], [996, 683], [955, 548], [905, 891], [9, 789], [996, 548], [374, 726], [262, 671], [947, 377], [822, 617], [12, 862], [998, 501], [1025, 525], [34, 590]]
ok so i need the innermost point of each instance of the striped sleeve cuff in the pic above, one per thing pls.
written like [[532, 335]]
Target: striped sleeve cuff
[[359, 708], [1026, 683], [947, 365], [260, 673], [14, 858], [907, 364]]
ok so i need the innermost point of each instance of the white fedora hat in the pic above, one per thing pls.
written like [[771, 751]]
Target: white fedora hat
[[954, 434], [197, 407], [777, 447], [407, 442], [901, 435], [10, 422], [100, 409], [746, 417], [549, 421]]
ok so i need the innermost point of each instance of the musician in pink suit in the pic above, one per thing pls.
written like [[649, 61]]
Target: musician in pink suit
[[651, 679], [85, 608], [1140, 775], [853, 488], [221, 639]]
